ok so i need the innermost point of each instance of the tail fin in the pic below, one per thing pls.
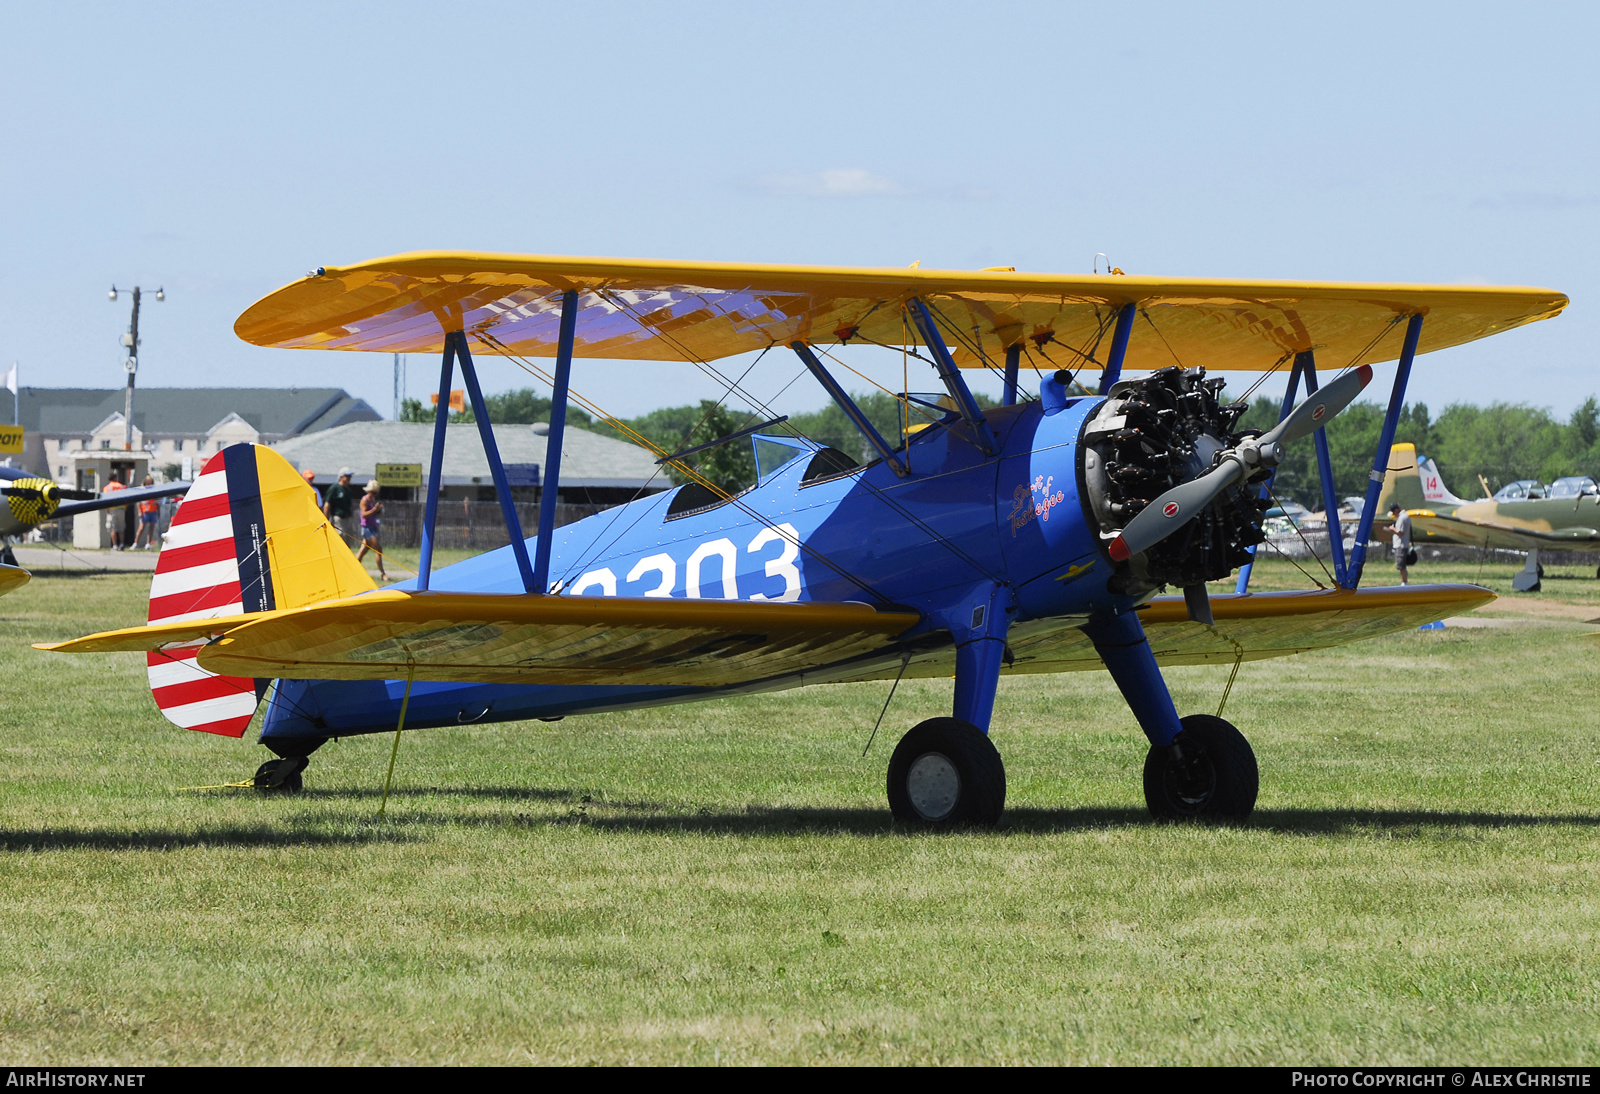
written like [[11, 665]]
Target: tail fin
[[1402, 485], [1433, 487], [247, 537]]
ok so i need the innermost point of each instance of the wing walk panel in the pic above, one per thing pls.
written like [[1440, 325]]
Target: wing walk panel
[[648, 310]]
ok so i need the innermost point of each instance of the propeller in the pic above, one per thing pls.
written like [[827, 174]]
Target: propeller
[[1184, 502]]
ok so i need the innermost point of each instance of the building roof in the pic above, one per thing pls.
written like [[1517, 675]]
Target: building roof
[[587, 459], [272, 411]]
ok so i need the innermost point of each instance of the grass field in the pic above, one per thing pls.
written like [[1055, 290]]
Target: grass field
[[722, 883]]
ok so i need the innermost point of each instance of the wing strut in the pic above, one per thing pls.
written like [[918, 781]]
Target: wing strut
[[951, 375], [1119, 349], [847, 404], [1301, 360], [1013, 360], [1380, 459], [497, 470], [552, 445], [1330, 496], [441, 415]]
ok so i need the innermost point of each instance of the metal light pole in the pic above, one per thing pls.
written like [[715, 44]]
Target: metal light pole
[[131, 340]]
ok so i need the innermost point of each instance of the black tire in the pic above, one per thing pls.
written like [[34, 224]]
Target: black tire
[[1212, 774], [946, 773], [281, 776]]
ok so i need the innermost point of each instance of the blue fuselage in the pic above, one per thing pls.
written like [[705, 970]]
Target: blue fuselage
[[937, 540]]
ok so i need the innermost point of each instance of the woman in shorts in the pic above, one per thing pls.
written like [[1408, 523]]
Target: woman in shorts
[[370, 508]]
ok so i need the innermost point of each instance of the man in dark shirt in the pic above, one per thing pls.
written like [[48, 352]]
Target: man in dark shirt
[[340, 507]]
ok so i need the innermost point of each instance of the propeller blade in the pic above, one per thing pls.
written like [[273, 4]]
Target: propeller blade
[[1173, 510], [78, 495], [1319, 408], [1184, 502]]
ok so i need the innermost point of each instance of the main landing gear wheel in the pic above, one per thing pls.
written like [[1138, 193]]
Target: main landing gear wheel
[[945, 773], [1208, 773], [281, 775]]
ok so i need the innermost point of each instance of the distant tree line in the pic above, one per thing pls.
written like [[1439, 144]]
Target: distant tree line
[[1503, 442]]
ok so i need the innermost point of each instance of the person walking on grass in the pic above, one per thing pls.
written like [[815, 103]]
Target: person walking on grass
[[149, 521], [115, 517], [370, 508], [1402, 542], [339, 507]]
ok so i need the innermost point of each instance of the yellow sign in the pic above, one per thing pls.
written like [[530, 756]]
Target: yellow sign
[[10, 438], [398, 474]]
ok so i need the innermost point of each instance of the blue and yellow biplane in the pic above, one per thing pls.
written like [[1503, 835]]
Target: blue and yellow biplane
[[1026, 538]]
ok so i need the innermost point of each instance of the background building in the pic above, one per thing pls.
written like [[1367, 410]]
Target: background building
[[170, 425]]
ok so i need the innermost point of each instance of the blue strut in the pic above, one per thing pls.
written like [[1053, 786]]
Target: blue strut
[[1380, 459], [1330, 498], [851, 411], [497, 470], [1013, 363], [441, 416], [1121, 644], [1301, 360], [945, 365], [551, 477], [1119, 349]]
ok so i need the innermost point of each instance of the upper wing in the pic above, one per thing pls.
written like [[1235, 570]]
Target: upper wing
[[648, 310], [459, 637], [1484, 533]]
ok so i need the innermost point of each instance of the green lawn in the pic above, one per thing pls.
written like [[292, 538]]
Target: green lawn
[[722, 883]]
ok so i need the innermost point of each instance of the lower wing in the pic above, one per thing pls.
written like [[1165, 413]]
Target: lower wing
[[471, 638]]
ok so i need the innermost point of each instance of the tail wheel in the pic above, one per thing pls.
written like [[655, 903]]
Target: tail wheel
[[946, 773], [281, 775], [1208, 773]]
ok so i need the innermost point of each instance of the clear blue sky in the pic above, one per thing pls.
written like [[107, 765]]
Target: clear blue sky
[[222, 150]]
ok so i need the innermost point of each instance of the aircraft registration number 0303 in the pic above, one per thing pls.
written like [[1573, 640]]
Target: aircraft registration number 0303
[[659, 573]]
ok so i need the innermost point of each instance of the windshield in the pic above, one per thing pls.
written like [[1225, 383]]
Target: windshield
[[1520, 490], [1573, 486]]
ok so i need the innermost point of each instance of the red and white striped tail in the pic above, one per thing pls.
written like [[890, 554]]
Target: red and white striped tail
[[198, 577]]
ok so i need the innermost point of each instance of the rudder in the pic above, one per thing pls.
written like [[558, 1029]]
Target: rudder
[[1402, 483], [247, 537]]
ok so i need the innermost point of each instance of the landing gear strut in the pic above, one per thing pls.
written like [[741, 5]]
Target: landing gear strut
[[1207, 773], [946, 773]]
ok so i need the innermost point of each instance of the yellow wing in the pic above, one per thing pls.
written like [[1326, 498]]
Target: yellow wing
[[1252, 627], [12, 578], [650, 310], [458, 637]]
